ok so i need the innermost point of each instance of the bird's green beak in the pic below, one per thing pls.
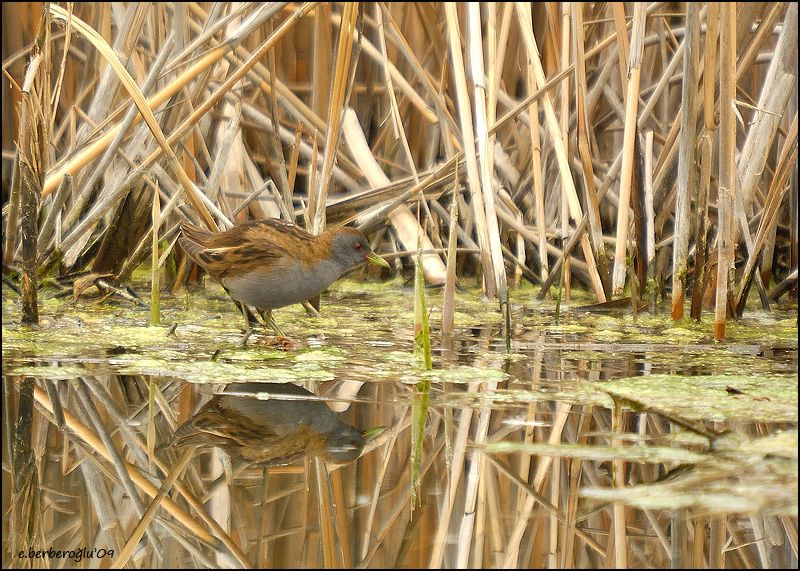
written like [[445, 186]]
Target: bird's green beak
[[374, 258]]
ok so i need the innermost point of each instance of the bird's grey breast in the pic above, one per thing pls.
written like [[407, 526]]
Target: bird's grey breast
[[283, 284]]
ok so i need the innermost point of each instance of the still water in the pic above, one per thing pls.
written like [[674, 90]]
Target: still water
[[599, 441]]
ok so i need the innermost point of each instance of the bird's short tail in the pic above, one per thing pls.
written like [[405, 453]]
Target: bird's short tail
[[192, 239]]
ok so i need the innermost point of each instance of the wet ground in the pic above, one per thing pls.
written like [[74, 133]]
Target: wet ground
[[599, 440]]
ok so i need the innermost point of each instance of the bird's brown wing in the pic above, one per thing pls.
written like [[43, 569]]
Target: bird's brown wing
[[257, 243]]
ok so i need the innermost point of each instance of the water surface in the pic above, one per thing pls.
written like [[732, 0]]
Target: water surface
[[600, 440]]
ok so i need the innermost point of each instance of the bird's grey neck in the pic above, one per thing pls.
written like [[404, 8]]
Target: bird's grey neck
[[329, 270]]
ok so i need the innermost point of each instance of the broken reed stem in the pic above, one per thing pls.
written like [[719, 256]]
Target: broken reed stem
[[727, 165], [626, 177], [448, 296], [701, 245], [650, 284], [29, 230], [34, 138], [687, 160], [155, 286]]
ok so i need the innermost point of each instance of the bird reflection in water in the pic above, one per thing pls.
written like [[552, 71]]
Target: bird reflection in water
[[276, 432]]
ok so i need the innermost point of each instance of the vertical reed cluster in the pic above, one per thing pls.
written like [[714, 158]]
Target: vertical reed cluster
[[660, 142]]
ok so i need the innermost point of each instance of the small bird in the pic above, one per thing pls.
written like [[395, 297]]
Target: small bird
[[270, 263], [276, 432]]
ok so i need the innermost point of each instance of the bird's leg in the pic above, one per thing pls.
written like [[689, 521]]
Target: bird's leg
[[248, 330], [280, 340], [311, 311], [264, 320], [270, 321]]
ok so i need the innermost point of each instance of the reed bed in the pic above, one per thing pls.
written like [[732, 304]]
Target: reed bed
[[661, 138]]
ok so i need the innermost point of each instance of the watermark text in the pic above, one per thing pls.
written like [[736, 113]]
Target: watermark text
[[77, 555]]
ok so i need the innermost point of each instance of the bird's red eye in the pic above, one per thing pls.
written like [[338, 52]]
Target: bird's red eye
[[358, 246]]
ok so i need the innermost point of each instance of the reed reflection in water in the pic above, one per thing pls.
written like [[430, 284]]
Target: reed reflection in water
[[293, 484]]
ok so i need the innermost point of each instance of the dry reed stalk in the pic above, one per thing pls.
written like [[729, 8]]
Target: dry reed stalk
[[701, 245], [584, 149], [645, 116], [32, 160], [706, 148], [567, 183], [440, 110], [665, 165], [687, 160], [294, 157], [502, 46], [538, 185], [778, 85], [626, 176], [32, 165], [563, 119], [474, 181], [91, 151], [338, 104], [727, 166], [52, 222], [11, 212], [141, 103], [766, 28], [323, 45], [710, 65], [555, 273], [770, 213], [623, 47], [485, 111], [397, 123], [108, 196]]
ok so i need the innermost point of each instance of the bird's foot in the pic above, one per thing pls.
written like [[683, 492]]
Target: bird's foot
[[280, 342]]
